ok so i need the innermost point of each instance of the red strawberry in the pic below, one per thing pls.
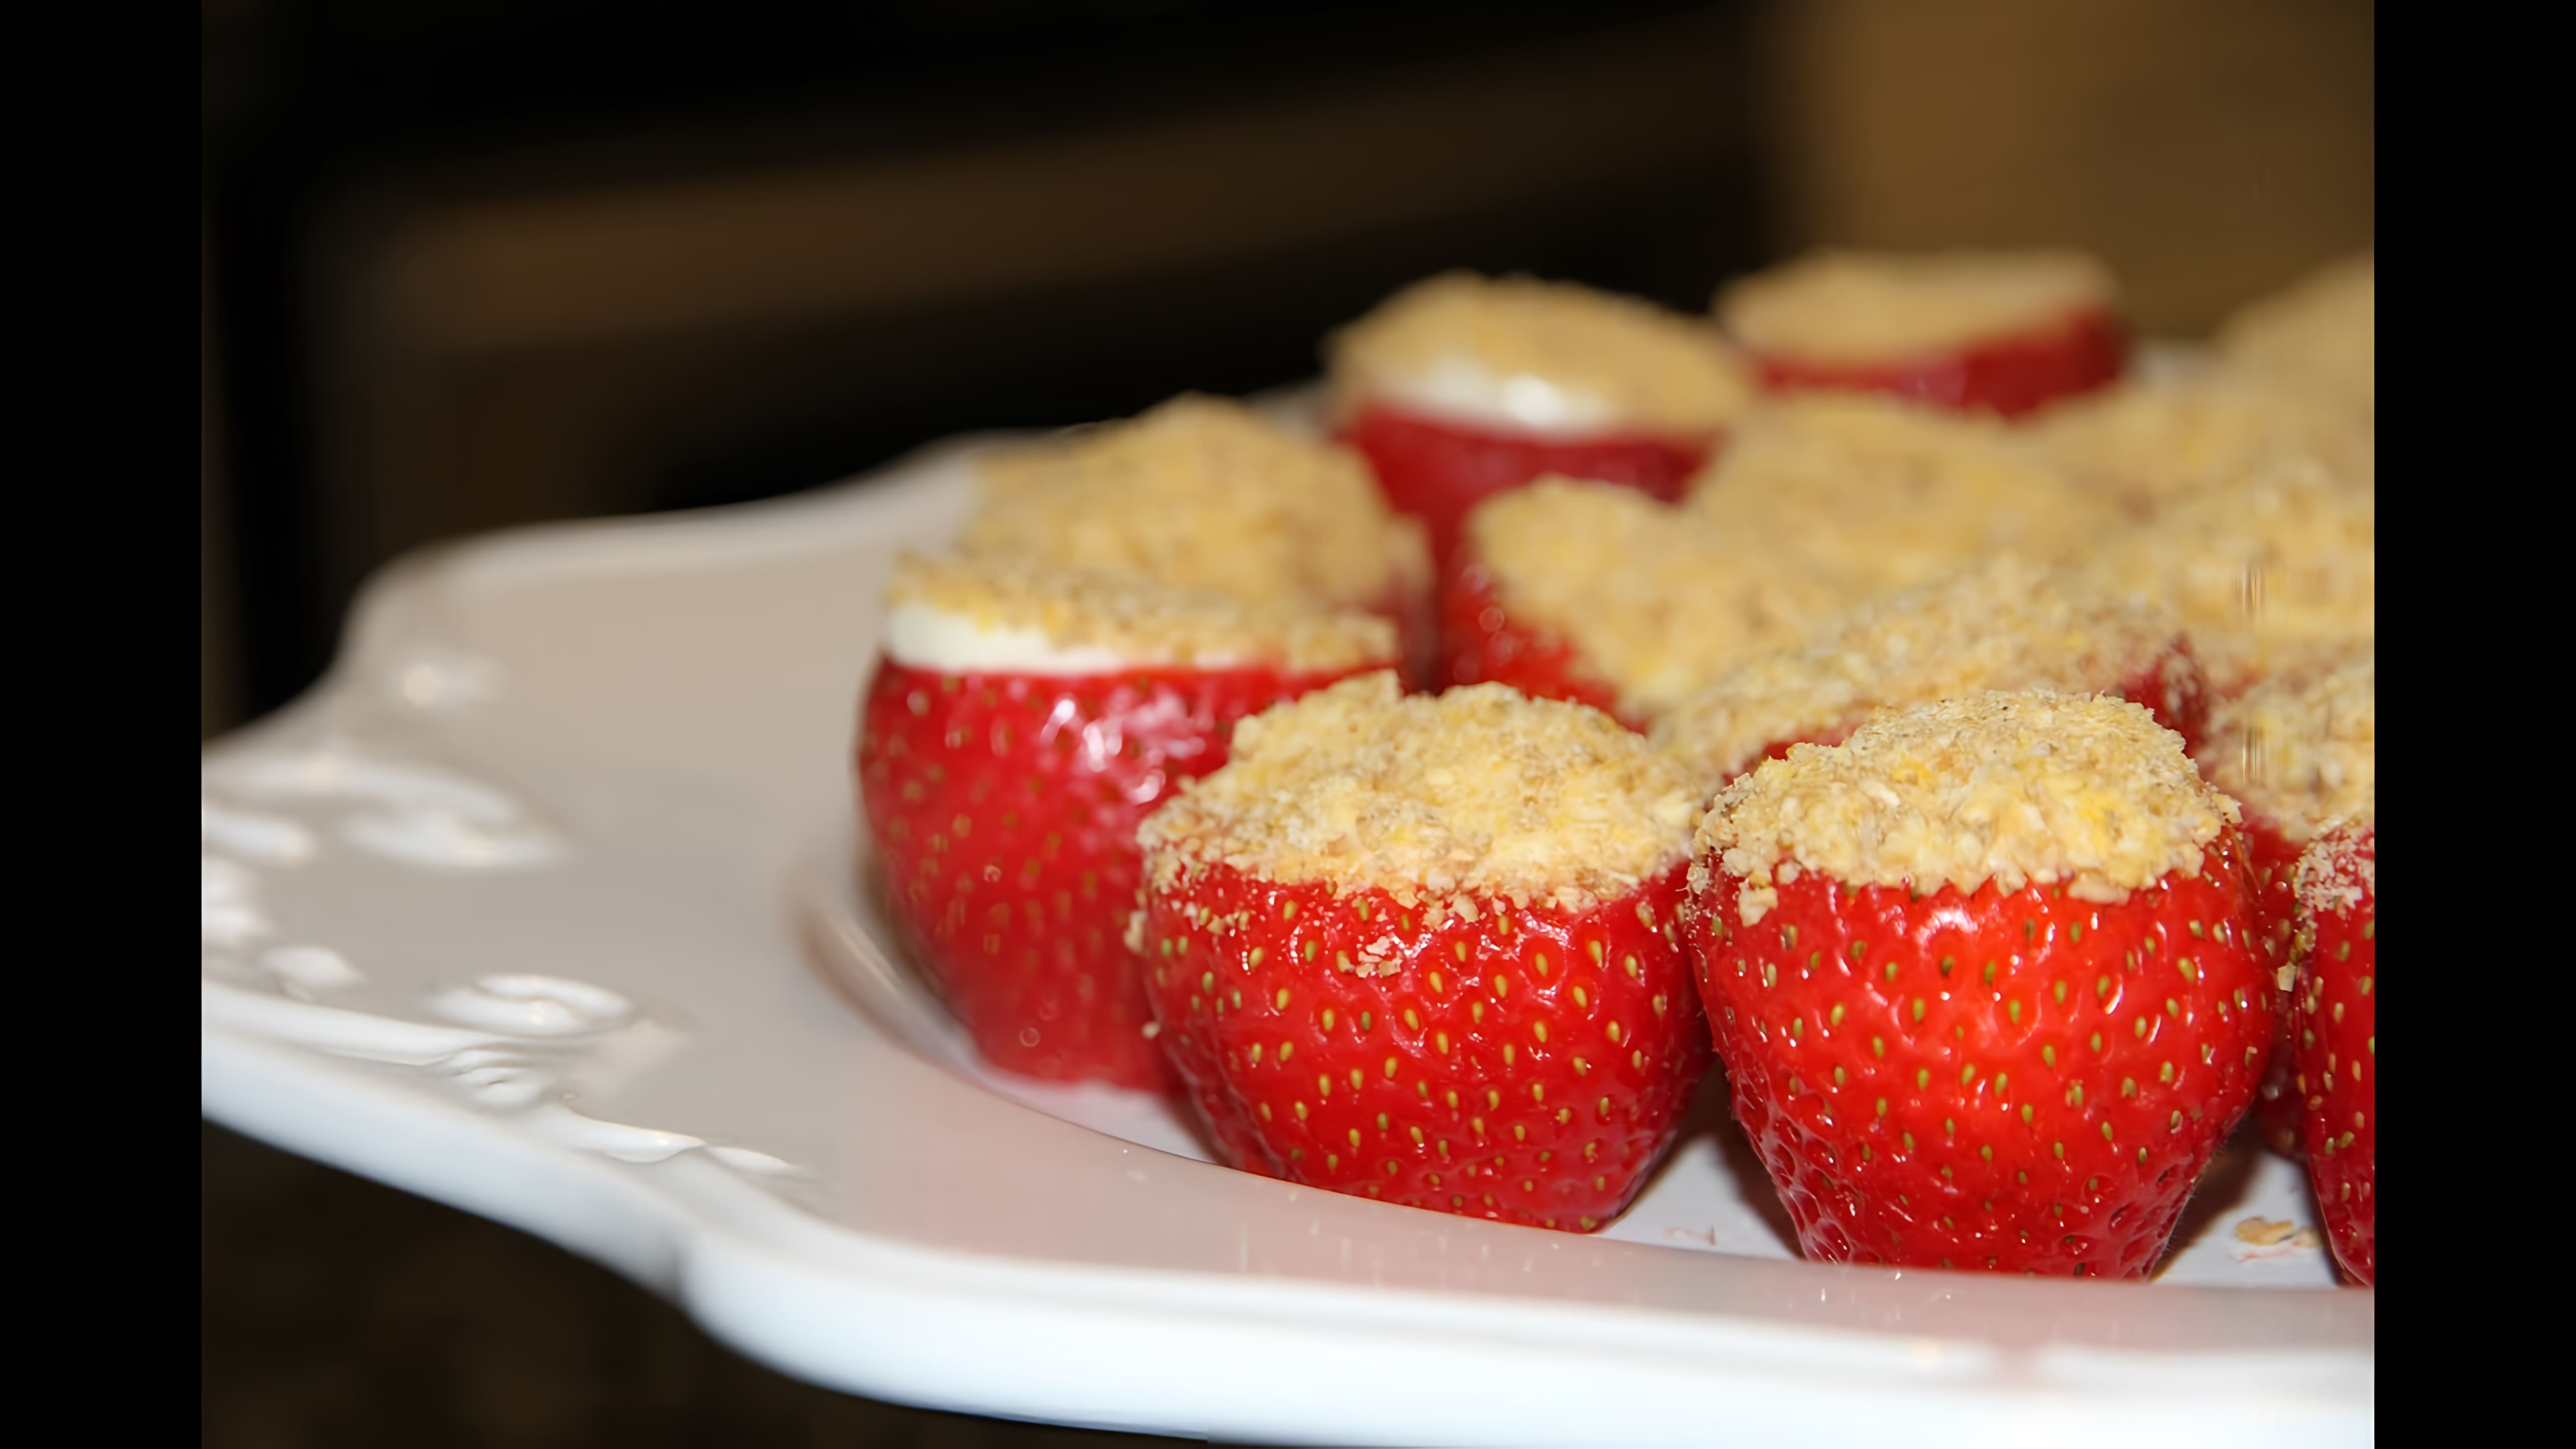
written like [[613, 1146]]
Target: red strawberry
[[1003, 804], [1439, 471], [2008, 1076], [2272, 868], [1996, 332], [2005, 624], [1461, 387], [2007, 375], [1487, 1048], [2336, 1028], [1482, 644], [2298, 751], [1568, 589]]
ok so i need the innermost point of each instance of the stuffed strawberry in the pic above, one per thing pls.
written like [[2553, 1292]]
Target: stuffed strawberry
[[1023, 720], [1984, 981], [1424, 949], [2334, 1025], [1995, 333], [1595, 593], [2297, 751], [1206, 494], [1881, 494], [1462, 387], [2005, 624]]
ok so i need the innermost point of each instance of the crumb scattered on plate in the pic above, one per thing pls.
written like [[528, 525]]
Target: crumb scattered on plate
[[2264, 1233]]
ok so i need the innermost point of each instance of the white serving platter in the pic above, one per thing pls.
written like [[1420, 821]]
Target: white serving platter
[[546, 904]]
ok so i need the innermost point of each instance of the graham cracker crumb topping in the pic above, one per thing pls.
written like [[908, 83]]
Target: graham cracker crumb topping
[[1658, 600], [2321, 332], [2301, 750], [1475, 794], [1887, 494], [1139, 622], [2334, 872], [2006, 624], [2272, 571], [1866, 307], [2008, 788], [1633, 361], [2146, 445], [1201, 493]]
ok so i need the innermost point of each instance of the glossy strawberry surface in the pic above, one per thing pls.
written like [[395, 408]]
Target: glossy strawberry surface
[[1530, 1065], [2335, 1045], [2007, 375], [1439, 471], [1004, 807], [2014, 1081], [2274, 864]]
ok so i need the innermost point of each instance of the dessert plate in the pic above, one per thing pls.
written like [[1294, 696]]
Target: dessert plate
[[544, 904]]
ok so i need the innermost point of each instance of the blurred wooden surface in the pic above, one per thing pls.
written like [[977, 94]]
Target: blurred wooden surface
[[2209, 150], [335, 1312]]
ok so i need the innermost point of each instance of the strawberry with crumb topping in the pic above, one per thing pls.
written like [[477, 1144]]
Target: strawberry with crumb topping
[[2006, 624], [2298, 752], [1463, 387], [1023, 720], [1984, 983], [1424, 949], [1580, 590], [1205, 494], [2001, 333], [2334, 1023]]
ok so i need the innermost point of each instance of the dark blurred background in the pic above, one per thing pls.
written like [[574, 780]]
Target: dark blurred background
[[481, 263]]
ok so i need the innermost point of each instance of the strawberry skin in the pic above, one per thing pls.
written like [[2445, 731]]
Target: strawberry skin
[[2006, 375], [1004, 807], [2274, 866], [2023, 1082], [1529, 1066], [1482, 643], [2335, 1029], [1439, 471]]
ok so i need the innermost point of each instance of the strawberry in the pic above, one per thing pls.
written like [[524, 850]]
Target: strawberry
[[1480, 643], [2272, 872], [2298, 751], [1955, 1041], [1439, 471], [1425, 950], [1461, 387], [1568, 589], [2007, 375], [1992, 333], [1003, 802], [2336, 1032], [2005, 624]]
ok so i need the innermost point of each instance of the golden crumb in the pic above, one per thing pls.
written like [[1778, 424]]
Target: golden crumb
[[2265, 1232], [2301, 749], [1624, 363], [1886, 494], [2322, 332], [2333, 873], [1839, 307], [2145, 445], [2271, 572], [1475, 794], [2006, 624], [1657, 600], [2008, 788], [1078, 611], [1201, 493]]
